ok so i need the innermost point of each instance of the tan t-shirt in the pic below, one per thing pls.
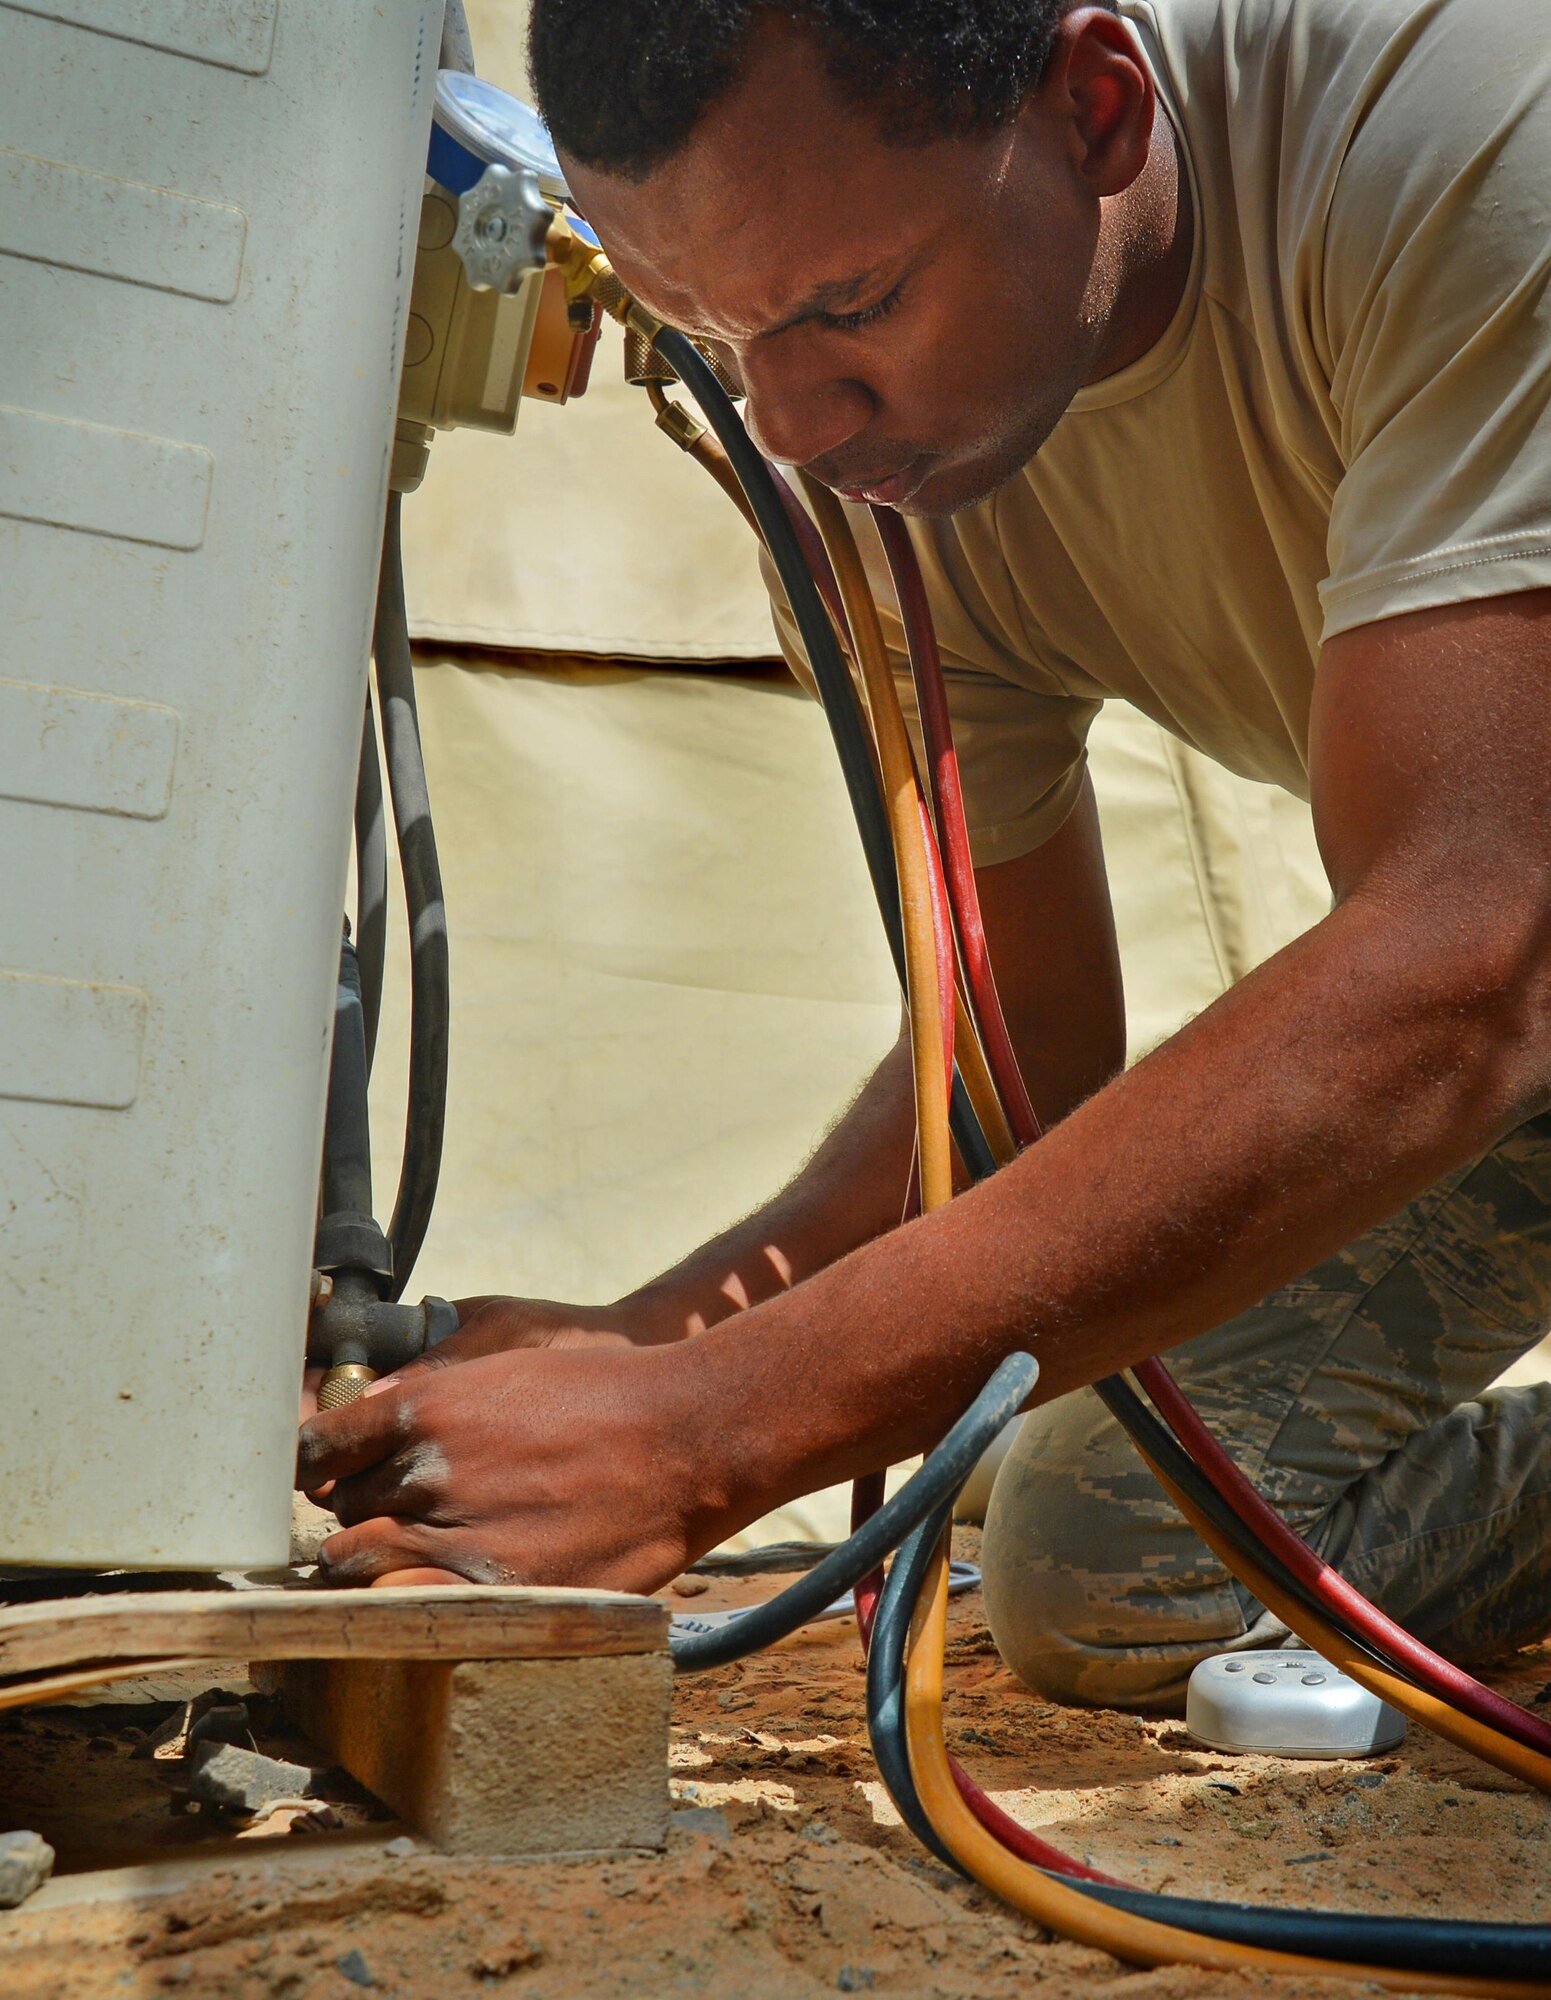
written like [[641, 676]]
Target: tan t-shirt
[[1349, 418]]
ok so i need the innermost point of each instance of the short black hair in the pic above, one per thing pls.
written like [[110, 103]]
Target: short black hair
[[623, 83]]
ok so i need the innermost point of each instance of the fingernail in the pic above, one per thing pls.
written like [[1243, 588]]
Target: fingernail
[[382, 1382]]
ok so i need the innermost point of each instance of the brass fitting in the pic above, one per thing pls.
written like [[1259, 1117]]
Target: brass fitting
[[686, 431], [589, 275], [643, 364], [344, 1384]]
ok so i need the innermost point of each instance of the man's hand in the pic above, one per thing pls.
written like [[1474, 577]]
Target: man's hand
[[555, 1464], [501, 1325]]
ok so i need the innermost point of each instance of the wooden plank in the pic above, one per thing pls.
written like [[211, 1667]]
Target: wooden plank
[[423, 1623], [54, 1687], [500, 1756]]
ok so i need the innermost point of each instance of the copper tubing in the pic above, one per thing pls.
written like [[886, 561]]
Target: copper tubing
[[902, 794], [693, 437], [1137, 1940]]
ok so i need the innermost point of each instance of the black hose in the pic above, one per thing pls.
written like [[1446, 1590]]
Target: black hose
[[837, 694], [426, 1119], [836, 690], [886, 1678], [371, 882], [1148, 1432], [921, 1498], [1407, 1944]]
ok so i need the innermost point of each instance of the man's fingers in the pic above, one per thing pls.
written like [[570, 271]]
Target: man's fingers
[[461, 1346], [410, 1483], [377, 1551], [336, 1443]]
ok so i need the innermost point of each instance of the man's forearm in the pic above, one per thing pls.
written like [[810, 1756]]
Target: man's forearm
[[1303, 1107], [1066, 1013]]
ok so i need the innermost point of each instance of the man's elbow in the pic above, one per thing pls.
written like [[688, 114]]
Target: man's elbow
[[1498, 990]]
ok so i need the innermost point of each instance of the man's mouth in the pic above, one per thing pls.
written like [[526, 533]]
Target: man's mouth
[[889, 490]]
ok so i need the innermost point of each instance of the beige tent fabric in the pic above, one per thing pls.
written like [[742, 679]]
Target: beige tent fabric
[[668, 975]]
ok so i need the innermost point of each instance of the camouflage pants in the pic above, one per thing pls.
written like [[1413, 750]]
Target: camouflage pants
[[1358, 1400]]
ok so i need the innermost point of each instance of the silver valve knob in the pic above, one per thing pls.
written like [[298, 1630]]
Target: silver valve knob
[[503, 220]]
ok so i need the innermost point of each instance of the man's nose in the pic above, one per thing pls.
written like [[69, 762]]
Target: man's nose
[[797, 415]]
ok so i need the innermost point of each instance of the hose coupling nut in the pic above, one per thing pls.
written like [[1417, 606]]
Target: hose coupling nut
[[344, 1384]]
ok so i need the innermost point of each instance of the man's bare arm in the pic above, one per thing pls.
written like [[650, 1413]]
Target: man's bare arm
[[1067, 1019], [1396, 1040], [1393, 1042]]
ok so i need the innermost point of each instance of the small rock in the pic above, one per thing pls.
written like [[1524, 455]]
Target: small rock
[[516, 1956], [1366, 1780], [708, 1820], [689, 1586], [221, 1774], [856, 1979], [1320, 1854], [355, 1969], [1167, 1840], [26, 1862], [400, 1849]]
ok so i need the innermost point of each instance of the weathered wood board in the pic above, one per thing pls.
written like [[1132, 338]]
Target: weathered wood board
[[421, 1623]]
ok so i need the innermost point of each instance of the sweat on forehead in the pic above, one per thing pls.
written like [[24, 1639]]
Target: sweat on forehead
[[623, 83]]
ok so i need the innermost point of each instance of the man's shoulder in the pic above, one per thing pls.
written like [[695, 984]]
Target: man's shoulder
[[1278, 97], [1256, 32], [1324, 52]]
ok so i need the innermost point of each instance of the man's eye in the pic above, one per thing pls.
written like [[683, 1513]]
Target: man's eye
[[868, 316]]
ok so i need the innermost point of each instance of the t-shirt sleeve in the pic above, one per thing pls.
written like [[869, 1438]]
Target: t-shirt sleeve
[[1435, 307], [1021, 747]]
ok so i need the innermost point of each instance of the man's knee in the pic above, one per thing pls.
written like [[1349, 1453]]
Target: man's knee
[[1097, 1593]]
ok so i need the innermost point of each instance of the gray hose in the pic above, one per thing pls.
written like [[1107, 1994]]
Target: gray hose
[[371, 882], [430, 1000]]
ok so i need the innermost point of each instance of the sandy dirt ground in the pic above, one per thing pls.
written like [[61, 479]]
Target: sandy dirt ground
[[787, 1872]]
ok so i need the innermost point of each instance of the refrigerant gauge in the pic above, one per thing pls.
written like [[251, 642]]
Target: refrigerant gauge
[[474, 125]]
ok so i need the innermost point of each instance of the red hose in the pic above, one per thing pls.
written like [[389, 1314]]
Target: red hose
[[948, 802], [1428, 1669], [942, 931], [953, 870]]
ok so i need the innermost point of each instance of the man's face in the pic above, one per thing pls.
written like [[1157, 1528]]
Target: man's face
[[908, 322]]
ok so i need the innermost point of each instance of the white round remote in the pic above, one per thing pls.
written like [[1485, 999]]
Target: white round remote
[[1287, 1704]]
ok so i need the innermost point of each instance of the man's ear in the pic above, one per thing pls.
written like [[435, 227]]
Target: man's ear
[[1098, 83]]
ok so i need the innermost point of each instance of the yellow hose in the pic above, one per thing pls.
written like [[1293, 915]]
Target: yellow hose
[[1138, 1940], [902, 793], [977, 1083]]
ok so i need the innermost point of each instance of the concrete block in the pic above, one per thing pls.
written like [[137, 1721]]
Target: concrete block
[[500, 1756]]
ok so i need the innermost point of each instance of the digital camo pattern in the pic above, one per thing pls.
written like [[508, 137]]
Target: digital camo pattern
[[1357, 1399]]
